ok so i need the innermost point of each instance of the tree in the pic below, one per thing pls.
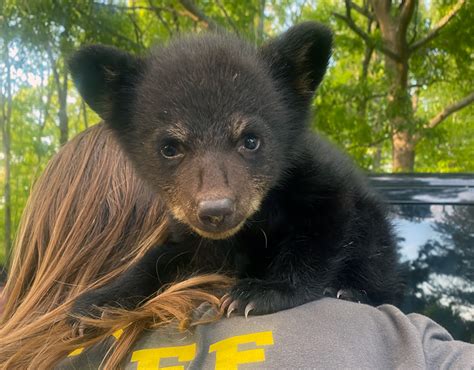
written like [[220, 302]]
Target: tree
[[393, 25], [61, 88], [5, 122]]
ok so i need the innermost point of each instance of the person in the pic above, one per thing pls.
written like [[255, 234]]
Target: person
[[89, 217], [324, 334]]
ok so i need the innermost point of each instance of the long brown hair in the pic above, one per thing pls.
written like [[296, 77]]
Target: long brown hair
[[87, 219]]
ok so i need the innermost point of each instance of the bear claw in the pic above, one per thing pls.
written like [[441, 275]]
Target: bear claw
[[249, 308], [232, 307]]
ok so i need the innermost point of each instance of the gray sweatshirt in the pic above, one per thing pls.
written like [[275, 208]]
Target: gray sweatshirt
[[326, 334]]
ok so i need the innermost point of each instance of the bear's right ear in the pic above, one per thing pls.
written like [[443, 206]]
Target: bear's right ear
[[105, 78]]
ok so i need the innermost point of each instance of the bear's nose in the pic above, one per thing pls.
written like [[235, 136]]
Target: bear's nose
[[213, 212]]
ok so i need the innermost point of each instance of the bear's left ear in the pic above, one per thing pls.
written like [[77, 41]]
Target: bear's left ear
[[298, 58], [105, 77]]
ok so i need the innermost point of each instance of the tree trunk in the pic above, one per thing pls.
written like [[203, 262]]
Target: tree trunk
[[6, 140], [399, 107], [261, 23], [61, 88], [403, 152], [63, 118], [400, 116], [84, 114]]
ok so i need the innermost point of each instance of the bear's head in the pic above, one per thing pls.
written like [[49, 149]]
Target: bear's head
[[210, 122]]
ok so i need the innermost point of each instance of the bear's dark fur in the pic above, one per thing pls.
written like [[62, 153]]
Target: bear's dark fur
[[220, 130]]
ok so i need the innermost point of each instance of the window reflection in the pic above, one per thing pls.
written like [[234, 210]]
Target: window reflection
[[437, 247]]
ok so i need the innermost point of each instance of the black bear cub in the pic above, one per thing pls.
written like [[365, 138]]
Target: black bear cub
[[220, 130]]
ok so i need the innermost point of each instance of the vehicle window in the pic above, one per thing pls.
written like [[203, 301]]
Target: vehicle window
[[434, 219]]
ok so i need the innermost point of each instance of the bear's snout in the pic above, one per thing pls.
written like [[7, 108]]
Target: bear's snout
[[214, 213]]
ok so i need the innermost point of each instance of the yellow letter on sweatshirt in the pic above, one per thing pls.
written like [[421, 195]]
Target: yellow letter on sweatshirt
[[228, 355], [150, 358]]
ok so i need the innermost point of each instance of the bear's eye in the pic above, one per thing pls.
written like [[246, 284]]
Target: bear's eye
[[171, 151], [251, 142]]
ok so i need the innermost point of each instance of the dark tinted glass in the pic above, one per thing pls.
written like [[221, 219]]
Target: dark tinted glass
[[434, 219]]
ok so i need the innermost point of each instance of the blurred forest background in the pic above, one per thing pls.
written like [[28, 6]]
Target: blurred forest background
[[398, 95]]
